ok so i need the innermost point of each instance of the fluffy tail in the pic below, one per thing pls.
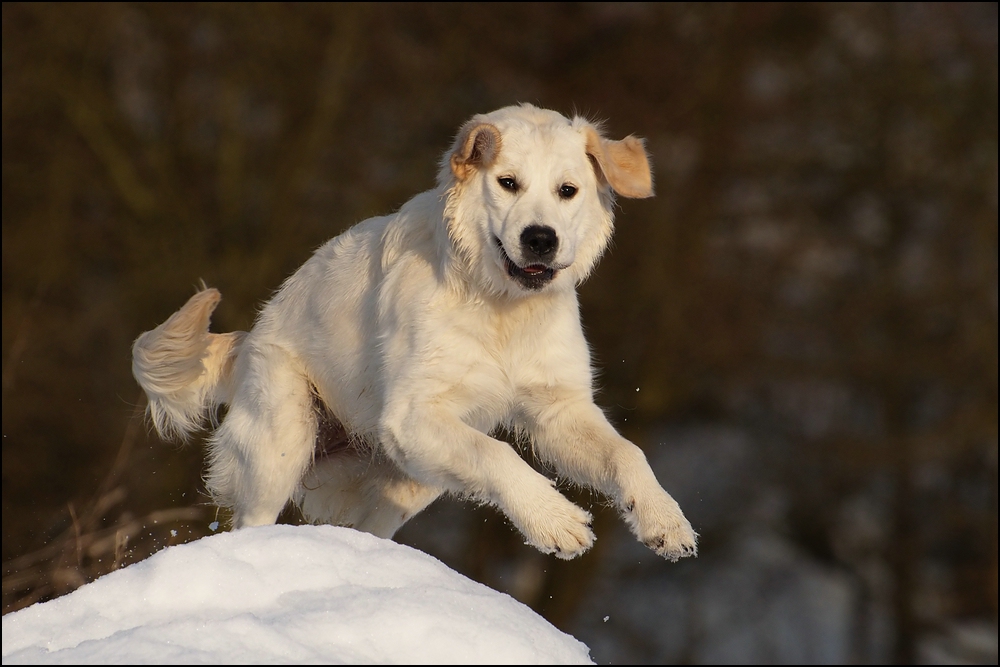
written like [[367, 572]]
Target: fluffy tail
[[185, 370]]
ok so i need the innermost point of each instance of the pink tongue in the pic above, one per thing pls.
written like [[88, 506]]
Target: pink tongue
[[534, 269]]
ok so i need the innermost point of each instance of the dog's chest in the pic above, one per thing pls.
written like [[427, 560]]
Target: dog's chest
[[490, 361]]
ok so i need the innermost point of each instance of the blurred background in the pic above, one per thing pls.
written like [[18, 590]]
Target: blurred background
[[800, 330]]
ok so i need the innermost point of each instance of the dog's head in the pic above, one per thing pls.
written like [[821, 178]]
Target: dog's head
[[531, 196]]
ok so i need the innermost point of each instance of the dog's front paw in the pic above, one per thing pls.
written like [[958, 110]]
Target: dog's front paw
[[674, 542], [561, 529], [662, 527]]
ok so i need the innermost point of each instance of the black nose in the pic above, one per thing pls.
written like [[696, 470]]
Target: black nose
[[539, 242]]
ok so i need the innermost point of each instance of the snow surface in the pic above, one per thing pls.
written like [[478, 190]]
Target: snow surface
[[286, 594]]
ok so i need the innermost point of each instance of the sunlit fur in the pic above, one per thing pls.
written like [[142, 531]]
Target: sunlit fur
[[411, 330]]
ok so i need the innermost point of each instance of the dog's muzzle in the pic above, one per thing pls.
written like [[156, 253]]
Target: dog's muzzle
[[532, 276]]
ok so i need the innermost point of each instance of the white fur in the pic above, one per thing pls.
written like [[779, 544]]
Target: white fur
[[413, 332]]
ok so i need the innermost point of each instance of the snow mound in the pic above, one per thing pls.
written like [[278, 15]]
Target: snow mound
[[286, 594]]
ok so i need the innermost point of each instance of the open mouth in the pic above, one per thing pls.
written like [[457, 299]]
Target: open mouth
[[533, 276]]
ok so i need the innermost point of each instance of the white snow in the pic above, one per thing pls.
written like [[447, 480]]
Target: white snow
[[286, 594]]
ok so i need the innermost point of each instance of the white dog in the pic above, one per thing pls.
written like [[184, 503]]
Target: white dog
[[371, 382]]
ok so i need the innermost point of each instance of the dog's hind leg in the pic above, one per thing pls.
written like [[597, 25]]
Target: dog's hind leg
[[265, 443], [363, 491]]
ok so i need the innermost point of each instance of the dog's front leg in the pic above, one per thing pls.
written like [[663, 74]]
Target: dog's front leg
[[573, 434], [438, 449]]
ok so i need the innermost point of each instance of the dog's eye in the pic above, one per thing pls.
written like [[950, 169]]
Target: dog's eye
[[567, 191], [508, 184]]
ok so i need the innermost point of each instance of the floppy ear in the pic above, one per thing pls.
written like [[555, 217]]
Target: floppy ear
[[624, 165], [477, 146]]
